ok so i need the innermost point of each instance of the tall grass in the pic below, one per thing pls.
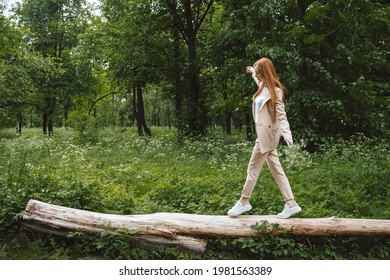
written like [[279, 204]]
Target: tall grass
[[119, 172]]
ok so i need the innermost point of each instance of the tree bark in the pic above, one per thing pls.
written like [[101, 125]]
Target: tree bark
[[20, 123], [228, 113], [177, 85], [44, 122], [135, 111], [195, 125], [50, 126], [141, 110], [186, 230], [47, 122]]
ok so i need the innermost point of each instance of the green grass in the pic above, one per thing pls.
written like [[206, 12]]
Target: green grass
[[119, 172]]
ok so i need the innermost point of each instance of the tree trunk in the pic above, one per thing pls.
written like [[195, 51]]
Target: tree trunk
[[141, 110], [20, 123], [44, 122], [186, 230], [50, 127], [195, 125], [135, 111], [228, 112], [177, 85], [188, 24], [228, 122], [47, 122], [31, 118]]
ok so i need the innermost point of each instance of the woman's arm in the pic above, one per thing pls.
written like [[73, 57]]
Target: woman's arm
[[251, 70], [282, 118]]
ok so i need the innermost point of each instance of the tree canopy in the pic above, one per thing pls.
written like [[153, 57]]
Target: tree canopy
[[182, 63]]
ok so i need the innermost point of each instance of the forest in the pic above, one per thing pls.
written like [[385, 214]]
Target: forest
[[134, 106]]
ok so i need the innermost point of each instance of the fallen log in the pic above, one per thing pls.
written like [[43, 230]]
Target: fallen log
[[186, 230]]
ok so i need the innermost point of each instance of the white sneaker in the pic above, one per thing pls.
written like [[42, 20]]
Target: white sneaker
[[238, 209], [289, 211]]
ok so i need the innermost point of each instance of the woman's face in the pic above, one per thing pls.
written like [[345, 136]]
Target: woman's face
[[258, 72]]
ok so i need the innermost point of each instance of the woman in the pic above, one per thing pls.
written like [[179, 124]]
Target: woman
[[271, 122]]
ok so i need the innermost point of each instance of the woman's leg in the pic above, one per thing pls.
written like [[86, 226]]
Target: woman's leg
[[255, 166], [280, 177]]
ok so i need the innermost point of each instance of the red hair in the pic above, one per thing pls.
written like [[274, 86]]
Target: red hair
[[265, 71]]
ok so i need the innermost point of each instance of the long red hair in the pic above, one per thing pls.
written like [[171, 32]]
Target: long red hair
[[265, 71]]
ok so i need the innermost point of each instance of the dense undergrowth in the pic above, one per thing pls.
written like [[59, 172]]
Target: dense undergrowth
[[121, 173]]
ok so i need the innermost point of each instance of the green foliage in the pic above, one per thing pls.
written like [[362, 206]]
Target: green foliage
[[124, 174], [269, 242], [352, 175], [57, 60], [328, 55], [85, 125], [265, 244]]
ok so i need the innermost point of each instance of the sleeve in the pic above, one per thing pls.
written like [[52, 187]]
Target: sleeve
[[255, 78], [282, 116]]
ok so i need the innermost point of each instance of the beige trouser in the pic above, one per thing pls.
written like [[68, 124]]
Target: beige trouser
[[254, 168]]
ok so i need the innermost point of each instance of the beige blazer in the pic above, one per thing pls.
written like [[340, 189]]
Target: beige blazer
[[271, 124]]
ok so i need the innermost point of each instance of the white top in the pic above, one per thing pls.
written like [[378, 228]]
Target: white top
[[259, 102]]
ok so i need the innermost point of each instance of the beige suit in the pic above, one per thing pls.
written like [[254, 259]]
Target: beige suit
[[271, 124]]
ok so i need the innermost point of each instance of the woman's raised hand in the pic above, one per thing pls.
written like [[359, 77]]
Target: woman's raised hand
[[250, 69]]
